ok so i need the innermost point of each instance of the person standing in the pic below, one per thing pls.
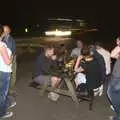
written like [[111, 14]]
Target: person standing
[[76, 52], [107, 59], [113, 90], [5, 74], [10, 42], [106, 55]]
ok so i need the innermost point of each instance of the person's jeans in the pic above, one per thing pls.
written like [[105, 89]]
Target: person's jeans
[[113, 93], [4, 87]]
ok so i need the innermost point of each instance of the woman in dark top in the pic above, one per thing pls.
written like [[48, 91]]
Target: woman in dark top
[[92, 69], [90, 66]]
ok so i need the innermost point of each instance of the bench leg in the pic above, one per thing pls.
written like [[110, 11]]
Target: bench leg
[[72, 91]]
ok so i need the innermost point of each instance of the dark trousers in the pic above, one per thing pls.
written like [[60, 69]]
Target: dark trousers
[[4, 87], [113, 93]]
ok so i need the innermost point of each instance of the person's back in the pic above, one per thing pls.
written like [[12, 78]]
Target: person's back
[[107, 59], [93, 73], [43, 65], [91, 68], [106, 55], [101, 62]]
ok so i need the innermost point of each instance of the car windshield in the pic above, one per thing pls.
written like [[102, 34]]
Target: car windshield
[[59, 24]]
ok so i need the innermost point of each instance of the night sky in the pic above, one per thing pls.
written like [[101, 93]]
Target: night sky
[[19, 12]]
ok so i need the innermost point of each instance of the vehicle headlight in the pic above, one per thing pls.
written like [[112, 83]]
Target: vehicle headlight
[[58, 33]]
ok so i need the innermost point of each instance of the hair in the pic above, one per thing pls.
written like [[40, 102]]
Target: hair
[[98, 44], [118, 37], [79, 41], [85, 51], [49, 47], [8, 28], [62, 45]]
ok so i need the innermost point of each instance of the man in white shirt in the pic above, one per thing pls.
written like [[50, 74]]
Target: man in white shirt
[[106, 55], [77, 51], [107, 59]]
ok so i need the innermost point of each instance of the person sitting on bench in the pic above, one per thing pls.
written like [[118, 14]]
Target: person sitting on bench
[[90, 67], [44, 72]]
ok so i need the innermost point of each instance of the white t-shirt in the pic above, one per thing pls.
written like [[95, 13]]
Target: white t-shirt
[[80, 78], [76, 52], [3, 66], [107, 59]]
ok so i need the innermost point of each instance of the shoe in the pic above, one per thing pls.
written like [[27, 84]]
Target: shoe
[[98, 91], [80, 100], [112, 107], [53, 96], [8, 115], [101, 90], [12, 105]]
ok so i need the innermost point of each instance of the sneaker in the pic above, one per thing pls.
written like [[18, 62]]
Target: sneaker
[[8, 115], [112, 107], [12, 105], [53, 96], [101, 90]]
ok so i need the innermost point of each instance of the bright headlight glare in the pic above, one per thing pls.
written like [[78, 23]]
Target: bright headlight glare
[[58, 33]]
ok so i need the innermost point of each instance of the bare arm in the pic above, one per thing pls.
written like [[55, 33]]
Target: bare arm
[[115, 53], [5, 55], [77, 62]]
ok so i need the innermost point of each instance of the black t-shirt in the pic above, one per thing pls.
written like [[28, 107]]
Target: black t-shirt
[[43, 66], [93, 73]]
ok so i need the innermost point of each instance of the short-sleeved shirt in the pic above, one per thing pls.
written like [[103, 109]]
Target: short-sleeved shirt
[[93, 73], [10, 42], [44, 65], [3, 66]]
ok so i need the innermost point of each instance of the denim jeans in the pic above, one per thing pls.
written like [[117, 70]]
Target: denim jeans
[[113, 93], [4, 87]]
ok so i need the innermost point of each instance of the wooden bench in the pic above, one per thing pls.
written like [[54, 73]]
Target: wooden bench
[[69, 91]]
